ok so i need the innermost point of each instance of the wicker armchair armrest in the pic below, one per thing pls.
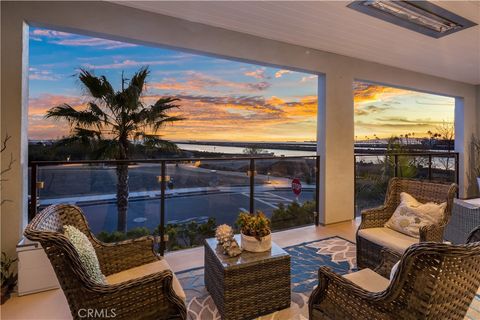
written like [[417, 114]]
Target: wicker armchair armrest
[[375, 217], [119, 256], [433, 232], [389, 259], [335, 293], [154, 291]]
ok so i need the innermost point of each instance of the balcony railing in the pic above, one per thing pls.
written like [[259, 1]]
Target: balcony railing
[[373, 170], [180, 200]]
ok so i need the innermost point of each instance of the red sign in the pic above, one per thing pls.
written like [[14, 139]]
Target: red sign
[[296, 186]]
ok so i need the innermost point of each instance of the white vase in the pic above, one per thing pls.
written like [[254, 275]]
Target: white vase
[[252, 244]]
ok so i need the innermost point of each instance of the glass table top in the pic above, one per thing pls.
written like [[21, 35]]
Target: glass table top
[[246, 257]]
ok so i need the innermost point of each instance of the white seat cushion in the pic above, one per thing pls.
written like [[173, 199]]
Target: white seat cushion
[[146, 269], [368, 280], [388, 238]]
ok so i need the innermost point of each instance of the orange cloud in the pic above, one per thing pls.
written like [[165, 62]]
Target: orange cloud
[[366, 92], [41, 128], [280, 73], [202, 83], [257, 74], [308, 78], [40, 105], [207, 117]]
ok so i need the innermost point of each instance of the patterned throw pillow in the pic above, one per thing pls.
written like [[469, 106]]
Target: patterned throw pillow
[[411, 215], [86, 252]]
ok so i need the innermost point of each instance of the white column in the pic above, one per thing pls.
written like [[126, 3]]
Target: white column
[[467, 111], [14, 118], [335, 145]]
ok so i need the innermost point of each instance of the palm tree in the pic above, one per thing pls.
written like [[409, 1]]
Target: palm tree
[[112, 119]]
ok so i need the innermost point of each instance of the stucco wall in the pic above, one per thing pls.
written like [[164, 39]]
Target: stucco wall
[[336, 127]]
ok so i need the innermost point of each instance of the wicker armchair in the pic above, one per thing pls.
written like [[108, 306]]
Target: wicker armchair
[[152, 296], [433, 281], [372, 237], [474, 235]]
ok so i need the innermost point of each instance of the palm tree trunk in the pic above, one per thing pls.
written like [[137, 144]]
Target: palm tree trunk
[[122, 196], [122, 185]]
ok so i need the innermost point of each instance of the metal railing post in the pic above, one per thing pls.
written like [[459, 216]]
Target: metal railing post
[[252, 185], [33, 193], [162, 209], [429, 167], [457, 175], [354, 186], [395, 165], [317, 190]]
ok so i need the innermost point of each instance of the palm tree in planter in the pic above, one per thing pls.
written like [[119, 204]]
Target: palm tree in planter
[[112, 119]]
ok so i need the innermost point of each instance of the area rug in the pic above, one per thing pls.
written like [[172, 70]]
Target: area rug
[[335, 252]]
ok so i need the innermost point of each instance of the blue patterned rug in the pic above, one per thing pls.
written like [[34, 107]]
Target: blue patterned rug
[[335, 252]]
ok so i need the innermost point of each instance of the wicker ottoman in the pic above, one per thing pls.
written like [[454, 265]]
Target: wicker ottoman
[[250, 285]]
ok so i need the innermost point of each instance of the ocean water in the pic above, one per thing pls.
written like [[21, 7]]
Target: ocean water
[[239, 150]]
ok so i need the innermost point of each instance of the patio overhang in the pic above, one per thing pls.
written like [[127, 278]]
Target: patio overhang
[[336, 74]]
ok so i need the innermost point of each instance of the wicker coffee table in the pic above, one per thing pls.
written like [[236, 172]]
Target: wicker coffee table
[[250, 285]]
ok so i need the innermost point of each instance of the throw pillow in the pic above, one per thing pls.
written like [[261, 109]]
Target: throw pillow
[[86, 253], [411, 215]]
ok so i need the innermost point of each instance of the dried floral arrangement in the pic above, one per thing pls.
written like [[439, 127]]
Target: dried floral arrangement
[[223, 233], [225, 238]]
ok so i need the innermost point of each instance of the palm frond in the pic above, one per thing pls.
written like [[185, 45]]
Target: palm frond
[[80, 135], [98, 87], [96, 110], [157, 112], [138, 80], [132, 94], [85, 118], [160, 123], [154, 141]]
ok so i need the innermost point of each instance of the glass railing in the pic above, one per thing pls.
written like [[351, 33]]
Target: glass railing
[[373, 171], [183, 200], [287, 205], [179, 200]]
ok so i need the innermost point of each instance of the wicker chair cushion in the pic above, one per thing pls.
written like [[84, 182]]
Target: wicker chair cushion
[[411, 215], [86, 253], [368, 280], [388, 238], [147, 269]]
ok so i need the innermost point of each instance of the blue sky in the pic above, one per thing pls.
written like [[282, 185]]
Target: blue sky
[[221, 99]]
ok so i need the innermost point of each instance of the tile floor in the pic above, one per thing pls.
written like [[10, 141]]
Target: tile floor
[[53, 304]]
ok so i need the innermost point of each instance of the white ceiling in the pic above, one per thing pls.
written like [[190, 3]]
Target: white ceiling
[[331, 26]]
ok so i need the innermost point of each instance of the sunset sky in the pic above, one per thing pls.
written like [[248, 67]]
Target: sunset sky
[[386, 111], [220, 99]]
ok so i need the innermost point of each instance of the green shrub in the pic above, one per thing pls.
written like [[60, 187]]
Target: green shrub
[[182, 236], [293, 215], [116, 236]]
